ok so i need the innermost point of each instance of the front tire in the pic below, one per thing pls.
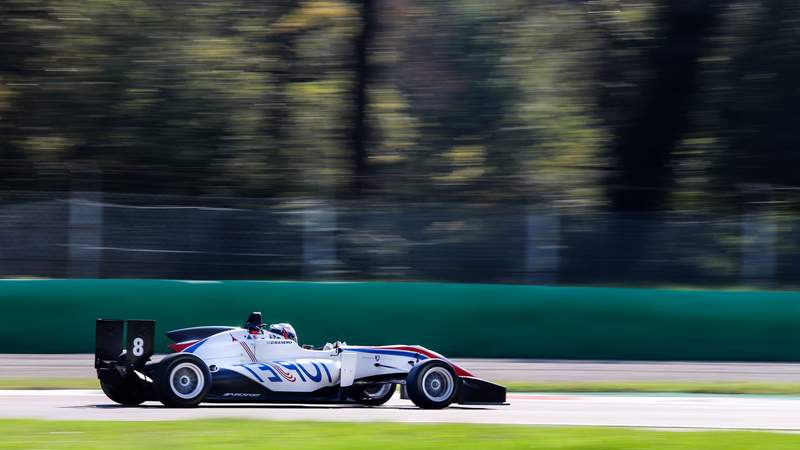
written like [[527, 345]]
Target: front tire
[[433, 384], [183, 381], [375, 394]]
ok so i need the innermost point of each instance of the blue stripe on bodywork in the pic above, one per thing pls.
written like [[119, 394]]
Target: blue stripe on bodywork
[[251, 371], [194, 346], [387, 352]]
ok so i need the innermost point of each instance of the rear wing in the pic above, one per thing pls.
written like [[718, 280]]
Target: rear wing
[[137, 336]]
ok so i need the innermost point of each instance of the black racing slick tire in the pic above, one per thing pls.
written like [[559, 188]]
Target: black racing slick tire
[[183, 380], [375, 394], [433, 384], [125, 394]]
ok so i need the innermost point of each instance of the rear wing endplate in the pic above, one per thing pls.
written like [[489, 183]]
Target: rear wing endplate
[[137, 336]]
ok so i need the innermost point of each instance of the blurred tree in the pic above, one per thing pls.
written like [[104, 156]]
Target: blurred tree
[[22, 23], [656, 119], [514, 100], [759, 98], [361, 85]]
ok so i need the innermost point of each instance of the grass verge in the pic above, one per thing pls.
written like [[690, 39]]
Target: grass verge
[[249, 434], [49, 383]]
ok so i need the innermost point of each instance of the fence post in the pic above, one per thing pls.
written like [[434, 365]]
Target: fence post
[[758, 238], [85, 234], [541, 246], [319, 239]]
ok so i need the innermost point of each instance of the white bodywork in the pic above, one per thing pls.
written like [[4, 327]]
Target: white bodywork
[[281, 365]]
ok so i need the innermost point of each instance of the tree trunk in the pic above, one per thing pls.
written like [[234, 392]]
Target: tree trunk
[[644, 142], [359, 135]]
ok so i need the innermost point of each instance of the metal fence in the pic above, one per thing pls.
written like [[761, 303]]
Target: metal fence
[[107, 235]]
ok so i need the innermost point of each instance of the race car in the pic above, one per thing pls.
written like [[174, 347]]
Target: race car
[[261, 363]]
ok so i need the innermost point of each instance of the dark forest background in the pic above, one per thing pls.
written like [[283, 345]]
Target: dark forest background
[[557, 141]]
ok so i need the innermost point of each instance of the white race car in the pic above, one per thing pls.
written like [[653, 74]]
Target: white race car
[[264, 364]]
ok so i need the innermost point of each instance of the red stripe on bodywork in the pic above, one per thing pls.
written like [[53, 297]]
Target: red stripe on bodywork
[[282, 372], [249, 352], [460, 371], [181, 346]]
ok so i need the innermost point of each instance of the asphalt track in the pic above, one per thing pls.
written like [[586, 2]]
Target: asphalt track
[[77, 366], [648, 411], [623, 410]]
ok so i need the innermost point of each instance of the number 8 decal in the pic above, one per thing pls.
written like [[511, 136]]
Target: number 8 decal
[[138, 346]]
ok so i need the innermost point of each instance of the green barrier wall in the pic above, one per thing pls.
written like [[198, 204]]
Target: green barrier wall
[[57, 316]]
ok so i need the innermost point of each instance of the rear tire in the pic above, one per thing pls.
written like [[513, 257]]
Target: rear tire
[[183, 381], [433, 384], [375, 394], [126, 394]]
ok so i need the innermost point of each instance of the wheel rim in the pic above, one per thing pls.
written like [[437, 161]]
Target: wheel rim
[[186, 380], [437, 384], [377, 391]]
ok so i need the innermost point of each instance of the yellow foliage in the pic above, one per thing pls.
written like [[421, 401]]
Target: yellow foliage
[[316, 88], [467, 164], [312, 13], [216, 49], [467, 155], [46, 147], [5, 97]]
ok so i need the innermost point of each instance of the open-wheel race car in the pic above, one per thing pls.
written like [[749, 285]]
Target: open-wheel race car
[[261, 363]]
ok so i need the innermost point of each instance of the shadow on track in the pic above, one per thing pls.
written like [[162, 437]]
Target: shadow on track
[[275, 406]]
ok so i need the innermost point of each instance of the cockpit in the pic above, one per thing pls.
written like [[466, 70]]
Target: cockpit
[[255, 325]]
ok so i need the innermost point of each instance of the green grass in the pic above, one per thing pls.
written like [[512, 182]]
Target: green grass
[[513, 386], [250, 434], [49, 383]]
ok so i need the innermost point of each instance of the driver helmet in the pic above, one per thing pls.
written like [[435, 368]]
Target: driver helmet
[[284, 330]]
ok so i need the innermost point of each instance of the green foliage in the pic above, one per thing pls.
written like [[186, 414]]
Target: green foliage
[[466, 100]]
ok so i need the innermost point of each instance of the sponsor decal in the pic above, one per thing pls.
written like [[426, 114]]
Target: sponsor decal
[[279, 368], [291, 371], [271, 374], [240, 394], [252, 372], [315, 378], [269, 338], [327, 372]]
